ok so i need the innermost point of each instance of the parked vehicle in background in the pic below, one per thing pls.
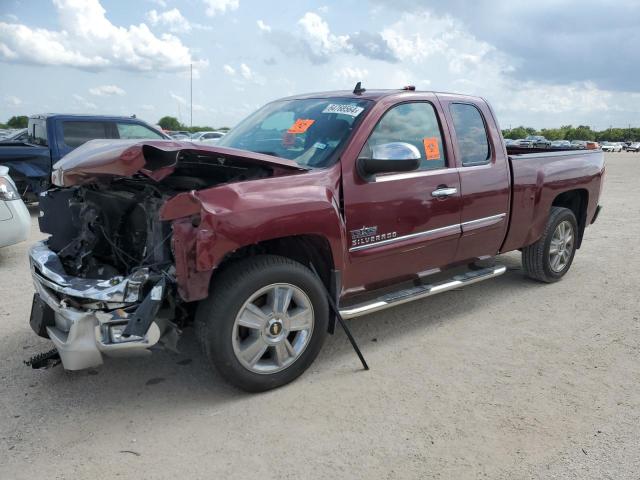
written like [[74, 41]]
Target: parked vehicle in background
[[15, 220], [578, 144], [207, 137], [535, 141], [17, 136], [634, 147], [52, 136], [387, 195], [561, 144], [213, 138], [180, 135], [509, 142], [611, 147], [592, 145]]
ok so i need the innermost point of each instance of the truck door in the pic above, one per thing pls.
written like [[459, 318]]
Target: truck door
[[484, 176], [401, 224]]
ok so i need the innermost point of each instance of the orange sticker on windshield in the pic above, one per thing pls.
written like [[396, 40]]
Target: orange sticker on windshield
[[301, 126], [431, 149]]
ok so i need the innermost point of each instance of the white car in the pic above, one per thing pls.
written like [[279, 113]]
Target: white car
[[208, 137], [15, 220], [611, 147]]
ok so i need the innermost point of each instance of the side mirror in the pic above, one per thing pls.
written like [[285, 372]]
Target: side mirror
[[390, 157]]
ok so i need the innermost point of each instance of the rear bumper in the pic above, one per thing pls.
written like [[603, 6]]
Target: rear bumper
[[87, 317]]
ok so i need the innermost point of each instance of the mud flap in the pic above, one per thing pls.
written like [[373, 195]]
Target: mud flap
[[141, 320]]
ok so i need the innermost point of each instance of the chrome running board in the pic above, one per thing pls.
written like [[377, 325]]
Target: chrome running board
[[422, 291]]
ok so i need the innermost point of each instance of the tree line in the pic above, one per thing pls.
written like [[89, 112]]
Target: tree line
[[173, 124], [581, 132], [167, 123]]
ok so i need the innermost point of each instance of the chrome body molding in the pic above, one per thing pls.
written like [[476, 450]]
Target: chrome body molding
[[441, 231], [482, 222]]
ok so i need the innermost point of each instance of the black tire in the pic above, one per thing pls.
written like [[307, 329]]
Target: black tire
[[536, 258], [230, 290]]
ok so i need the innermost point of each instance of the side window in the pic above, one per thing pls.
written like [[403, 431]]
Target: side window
[[77, 133], [473, 141], [415, 123], [133, 131]]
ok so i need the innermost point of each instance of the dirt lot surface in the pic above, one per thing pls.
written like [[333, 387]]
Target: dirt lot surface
[[505, 379]]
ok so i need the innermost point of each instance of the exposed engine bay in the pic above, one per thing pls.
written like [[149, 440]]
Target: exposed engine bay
[[111, 228]]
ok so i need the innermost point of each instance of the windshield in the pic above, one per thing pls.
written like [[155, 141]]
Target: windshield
[[307, 131]]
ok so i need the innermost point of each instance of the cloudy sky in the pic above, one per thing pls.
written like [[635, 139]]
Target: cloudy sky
[[543, 63]]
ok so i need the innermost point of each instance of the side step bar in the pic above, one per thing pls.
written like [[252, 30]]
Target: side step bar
[[416, 293]]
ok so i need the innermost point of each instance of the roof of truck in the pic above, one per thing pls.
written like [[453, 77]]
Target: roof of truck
[[373, 94], [84, 116]]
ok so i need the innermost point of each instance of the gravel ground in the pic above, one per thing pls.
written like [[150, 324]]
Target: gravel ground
[[505, 379]]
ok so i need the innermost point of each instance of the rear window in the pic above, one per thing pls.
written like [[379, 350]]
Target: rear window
[[77, 133], [133, 131], [473, 142], [37, 130]]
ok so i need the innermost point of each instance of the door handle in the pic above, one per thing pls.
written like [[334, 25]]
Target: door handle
[[444, 192]]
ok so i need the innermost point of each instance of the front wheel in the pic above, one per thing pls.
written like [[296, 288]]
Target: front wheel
[[549, 259], [264, 322]]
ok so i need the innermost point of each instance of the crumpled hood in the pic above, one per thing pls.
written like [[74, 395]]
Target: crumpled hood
[[154, 158]]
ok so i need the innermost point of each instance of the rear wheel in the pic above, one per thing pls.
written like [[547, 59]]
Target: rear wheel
[[549, 259], [264, 322]]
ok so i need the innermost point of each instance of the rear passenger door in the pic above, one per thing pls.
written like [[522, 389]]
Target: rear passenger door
[[484, 176]]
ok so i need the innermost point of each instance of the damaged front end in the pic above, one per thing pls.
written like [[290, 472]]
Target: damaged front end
[[105, 278]]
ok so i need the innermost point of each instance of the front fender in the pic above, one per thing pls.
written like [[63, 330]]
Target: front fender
[[237, 215]]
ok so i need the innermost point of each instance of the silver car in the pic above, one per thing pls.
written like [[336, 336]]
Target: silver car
[[15, 220]]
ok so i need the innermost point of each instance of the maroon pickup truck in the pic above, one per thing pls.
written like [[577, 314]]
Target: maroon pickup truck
[[364, 199]]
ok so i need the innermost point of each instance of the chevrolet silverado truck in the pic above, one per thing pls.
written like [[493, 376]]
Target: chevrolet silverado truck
[[363, 200], [50, 137]]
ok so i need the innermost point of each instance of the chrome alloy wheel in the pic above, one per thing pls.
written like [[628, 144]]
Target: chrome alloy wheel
[[273, 328], [561, 246]]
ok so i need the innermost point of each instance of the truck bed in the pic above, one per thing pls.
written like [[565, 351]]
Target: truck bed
[[538, 181]]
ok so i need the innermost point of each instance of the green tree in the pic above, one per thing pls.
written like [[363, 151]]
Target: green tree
[[20, 121], [170, 123]]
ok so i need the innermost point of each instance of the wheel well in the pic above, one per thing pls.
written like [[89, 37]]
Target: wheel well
[[304, 249], [577, 201]]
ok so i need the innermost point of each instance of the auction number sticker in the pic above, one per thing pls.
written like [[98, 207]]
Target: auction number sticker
[[301, 125], [352, 110]]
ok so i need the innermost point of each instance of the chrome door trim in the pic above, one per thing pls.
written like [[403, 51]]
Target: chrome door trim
[[455, 228], [482, 222], [428, 233]]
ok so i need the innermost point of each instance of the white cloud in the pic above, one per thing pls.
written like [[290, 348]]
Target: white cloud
[[106, 91], [12, 100], [220, 6], [352, 73], [263, 26], [172, 19], [84, 103], [88, 40], [178, 98], [320, 38], [147, 108], [242, 75], [246, 72]]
